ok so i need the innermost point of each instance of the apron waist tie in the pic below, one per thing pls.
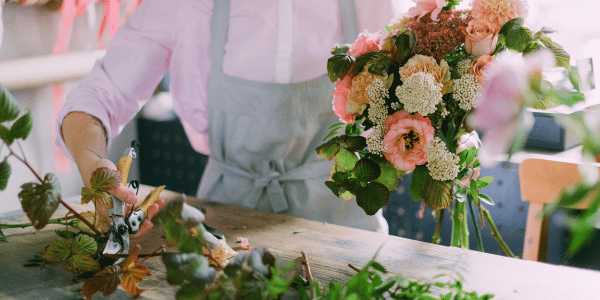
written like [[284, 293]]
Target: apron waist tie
[[270, 181]]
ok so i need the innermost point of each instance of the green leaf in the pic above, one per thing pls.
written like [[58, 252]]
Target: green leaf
[[175, 232], [80, 263], [417, 182], [333, 187], [389, 176], [366, 170], [355, 143], [518, 37], [329, 149], [437, 194], [190, 244], [58, 250], [88, 195], [6, 136], [485, 198], [482, 182], [338, 66], [84, 244], [365, 60], [40, 201], [372, 197], [9, 109], [105, 179], [514, 23], [345, 160], [2, 237], [340, 49], [22, 127], [5, 171], [69, 235]]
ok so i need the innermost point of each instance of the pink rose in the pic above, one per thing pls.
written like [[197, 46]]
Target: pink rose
[[426, 6], [340, 100], [406, 138], [366, 42], [466, 142], [480, 38], [478, 66]]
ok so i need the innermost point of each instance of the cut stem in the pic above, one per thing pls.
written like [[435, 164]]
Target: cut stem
[[308, 273], [58, 221], [496, 233], [479, 242], [438, 229]]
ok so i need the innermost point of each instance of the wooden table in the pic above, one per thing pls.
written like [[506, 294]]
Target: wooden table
[[329, 247]]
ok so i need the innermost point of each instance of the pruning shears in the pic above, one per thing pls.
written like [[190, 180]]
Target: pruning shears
[[122, 227]]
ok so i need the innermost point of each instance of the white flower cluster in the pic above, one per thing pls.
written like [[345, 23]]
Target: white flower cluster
[[465, 91], [463, 67], [377, 114], [442, 164], [377, 109], [420, 94], [375, 140]]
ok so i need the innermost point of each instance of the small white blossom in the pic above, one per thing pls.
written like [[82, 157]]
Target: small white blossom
[[420, 93], [442, 164], [378, 112], [375, 140], [465, 91], [463, 67]]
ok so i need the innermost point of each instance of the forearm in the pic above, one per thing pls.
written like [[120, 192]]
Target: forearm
[[85, 138]]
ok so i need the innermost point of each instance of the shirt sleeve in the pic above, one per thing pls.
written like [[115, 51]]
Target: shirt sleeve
[[123, 80]]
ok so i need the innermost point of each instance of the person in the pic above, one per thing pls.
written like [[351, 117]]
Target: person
[[248, 81]]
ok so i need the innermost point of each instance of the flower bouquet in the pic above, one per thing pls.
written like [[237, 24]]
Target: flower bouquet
[[412, 104]]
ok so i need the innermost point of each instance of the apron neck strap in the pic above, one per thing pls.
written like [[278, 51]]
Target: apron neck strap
[[219, 27]]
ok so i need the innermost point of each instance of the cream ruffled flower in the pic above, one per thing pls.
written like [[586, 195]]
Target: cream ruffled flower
[[427, 64], [498, 12], [359, 97]]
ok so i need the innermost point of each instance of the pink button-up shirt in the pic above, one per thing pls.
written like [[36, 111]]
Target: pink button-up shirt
[[279, 41]]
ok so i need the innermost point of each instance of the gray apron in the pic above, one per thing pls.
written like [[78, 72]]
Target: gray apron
[[263, 138]]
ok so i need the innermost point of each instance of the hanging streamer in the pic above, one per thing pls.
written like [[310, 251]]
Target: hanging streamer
[[70, 10]]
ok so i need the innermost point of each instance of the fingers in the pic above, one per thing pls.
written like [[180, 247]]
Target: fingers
[[147, 224], [125, 194]]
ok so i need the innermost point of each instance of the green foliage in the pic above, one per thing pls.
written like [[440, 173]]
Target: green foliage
[[9, 109], [80, 263], [39, 201], [5, 171], [372, 197], [22, 126], [417, 182], [338, 66]]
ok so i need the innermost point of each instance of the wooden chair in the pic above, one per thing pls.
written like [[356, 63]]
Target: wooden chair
[[541, 181]]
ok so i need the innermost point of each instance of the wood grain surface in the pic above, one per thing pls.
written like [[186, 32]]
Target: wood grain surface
[[330, 248]]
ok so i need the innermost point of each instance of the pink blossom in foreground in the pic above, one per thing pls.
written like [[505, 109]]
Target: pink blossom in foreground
[[366, 42], [424, 7], [501, 110], [340, 100], [406, 138]]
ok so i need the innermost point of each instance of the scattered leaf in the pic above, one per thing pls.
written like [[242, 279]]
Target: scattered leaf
[[40, 201], [105, 281], [222, 253], [80, 263], [84, 244], [133, 273], [58, 250], [2, 237], [299, 231]]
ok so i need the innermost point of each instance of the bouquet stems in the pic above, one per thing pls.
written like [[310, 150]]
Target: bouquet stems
[[460, 229], [496, 233], [479, 243]]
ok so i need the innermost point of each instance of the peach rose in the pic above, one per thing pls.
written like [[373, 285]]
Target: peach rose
[[478, 66], [366, 42], [358, 97], [480, 38], [406, 138]]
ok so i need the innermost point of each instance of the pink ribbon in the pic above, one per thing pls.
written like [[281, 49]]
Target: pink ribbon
[[70, 10]]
